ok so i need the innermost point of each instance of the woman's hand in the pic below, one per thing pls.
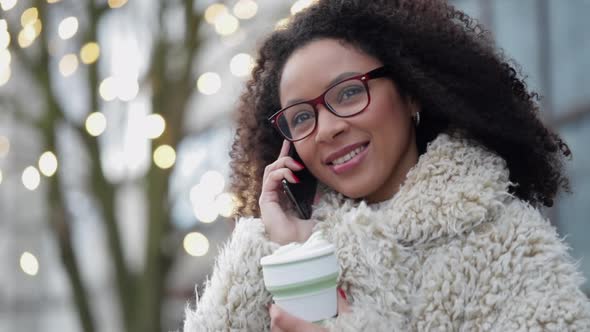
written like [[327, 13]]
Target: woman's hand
[[281, 227], [281, 321]]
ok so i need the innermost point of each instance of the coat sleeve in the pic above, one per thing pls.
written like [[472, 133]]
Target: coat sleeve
[[365, 318], [546, 295], [235, 297]]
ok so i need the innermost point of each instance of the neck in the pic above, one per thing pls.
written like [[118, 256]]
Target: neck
[[408, 159]]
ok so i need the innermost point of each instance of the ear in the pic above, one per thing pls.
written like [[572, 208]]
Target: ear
[[413, 105]]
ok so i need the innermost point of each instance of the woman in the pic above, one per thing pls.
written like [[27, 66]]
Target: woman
[[432, 165]]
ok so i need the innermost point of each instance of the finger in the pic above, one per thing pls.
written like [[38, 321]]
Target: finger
[[274, 179], [289, 323], [285, 153], [274, 327], [343, 305], [282, 162], [285, 148]]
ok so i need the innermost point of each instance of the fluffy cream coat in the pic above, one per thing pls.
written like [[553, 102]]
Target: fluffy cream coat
[[451, 251]]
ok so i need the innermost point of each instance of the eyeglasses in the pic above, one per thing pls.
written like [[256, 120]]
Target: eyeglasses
[[343, 99]]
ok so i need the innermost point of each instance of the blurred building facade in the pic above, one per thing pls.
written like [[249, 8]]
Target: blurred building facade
[[548, 39]]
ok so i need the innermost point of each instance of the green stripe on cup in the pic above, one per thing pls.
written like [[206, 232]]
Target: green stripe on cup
[[271, 265], [305, 287]]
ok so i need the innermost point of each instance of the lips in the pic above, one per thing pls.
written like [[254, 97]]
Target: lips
[[350, 161], [339, 154], [348, 156]]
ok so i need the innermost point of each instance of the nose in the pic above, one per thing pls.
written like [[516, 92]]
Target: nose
[[328, 125]]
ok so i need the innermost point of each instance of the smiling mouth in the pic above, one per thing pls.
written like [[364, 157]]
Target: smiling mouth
[[348, 156]]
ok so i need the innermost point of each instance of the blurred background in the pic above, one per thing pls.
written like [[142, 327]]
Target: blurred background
[[115, 127]]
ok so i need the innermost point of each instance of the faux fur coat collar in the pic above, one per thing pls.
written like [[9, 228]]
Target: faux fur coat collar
[[453, 188]]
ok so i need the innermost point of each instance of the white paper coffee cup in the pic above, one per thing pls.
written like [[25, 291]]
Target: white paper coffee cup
[[302, 278]]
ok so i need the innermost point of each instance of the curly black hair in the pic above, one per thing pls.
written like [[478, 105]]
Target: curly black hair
[[438, 56]]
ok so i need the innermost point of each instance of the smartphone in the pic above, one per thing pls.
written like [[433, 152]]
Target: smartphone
[[301, 194]]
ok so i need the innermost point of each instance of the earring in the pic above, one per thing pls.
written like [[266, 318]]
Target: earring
[[417, 119]]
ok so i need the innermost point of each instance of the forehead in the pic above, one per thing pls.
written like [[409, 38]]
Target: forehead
[[310, 69]]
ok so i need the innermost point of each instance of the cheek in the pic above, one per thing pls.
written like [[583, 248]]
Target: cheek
[[382, 123], [392, 119], [311, 159], [305, 150]]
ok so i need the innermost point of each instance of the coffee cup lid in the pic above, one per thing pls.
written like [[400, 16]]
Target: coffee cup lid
[[297, 256]]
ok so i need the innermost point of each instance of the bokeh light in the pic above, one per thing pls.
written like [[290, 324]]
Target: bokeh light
[[241, 65], [198, 193], [205, 211], [96, 123], [117, 3], [29, 16], [164, 156], [127, 88], [245, 9], [5, 57], [4, 146], [29, 32], [37, 27], [214, 11], [67, 27], [4, 35], [7, 4], [300, 5], [29, 263], [213, 182], [226, 24], [209, 83], [5, 71], [108, 89], [24, 39], [48, 163], [31, 178], [124, 88], [68, 64], [4, 75], [196, 244], [225, 204], [282, 23], [89, 53], [203, 203], [53, 1], [154, 125]]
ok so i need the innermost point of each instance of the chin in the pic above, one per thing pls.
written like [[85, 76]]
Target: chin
[[352, 193]]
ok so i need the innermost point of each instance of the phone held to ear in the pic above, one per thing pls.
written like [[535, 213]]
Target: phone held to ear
[[301, 194]]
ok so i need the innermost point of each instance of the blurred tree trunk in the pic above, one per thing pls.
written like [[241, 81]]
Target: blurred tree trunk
[[170, 97], [139, 293]]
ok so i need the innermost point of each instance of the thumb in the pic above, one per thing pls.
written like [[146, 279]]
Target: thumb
[[343, 305], [304, 229], [283, 321]]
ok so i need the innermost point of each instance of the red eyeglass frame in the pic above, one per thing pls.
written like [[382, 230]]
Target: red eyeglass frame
[[379, 72]]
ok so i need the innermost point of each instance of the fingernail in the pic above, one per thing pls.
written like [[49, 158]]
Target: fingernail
[[299, 164], [341, 292], [296, 178]]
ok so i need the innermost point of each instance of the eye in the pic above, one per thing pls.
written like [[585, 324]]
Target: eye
[[349, 92], [301, 117]]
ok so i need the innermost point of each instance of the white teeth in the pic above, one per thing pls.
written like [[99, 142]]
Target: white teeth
[[348, 156]]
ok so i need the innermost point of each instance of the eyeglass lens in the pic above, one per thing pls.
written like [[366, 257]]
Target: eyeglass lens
[[344, 99]]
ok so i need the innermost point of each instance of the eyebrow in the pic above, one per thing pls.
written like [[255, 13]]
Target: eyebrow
[[332, 82]]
